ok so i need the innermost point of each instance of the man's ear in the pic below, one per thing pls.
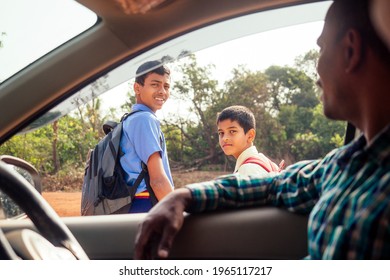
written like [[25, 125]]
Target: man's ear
[[251, 134], [353, 50]]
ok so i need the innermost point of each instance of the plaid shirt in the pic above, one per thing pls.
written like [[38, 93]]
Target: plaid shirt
[[347, 194]]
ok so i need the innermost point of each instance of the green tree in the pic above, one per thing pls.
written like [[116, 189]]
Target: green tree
[[247, 87], [199, 92], [74, 141], [306, 146], [308, 63], [130, 101], [292, 96], [174, 138], [295, 119], [250, 89], [324, 135], [329, 131], [34, 147], [62, 144], [288, 85]]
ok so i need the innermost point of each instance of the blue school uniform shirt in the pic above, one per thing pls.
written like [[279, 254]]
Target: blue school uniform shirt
[[142, 137]]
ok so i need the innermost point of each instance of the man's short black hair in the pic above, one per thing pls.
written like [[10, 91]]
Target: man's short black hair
[[240, 114], [149, 67], [356, 14]]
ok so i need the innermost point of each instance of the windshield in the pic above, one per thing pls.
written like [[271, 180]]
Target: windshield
[[265, 61], [28, 31]]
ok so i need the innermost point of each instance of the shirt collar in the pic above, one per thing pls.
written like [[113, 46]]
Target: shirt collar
[[378, 150], [141, 107], [249, 152]]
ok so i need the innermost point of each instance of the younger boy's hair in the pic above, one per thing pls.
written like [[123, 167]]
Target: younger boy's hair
[[148, 68], [240, 114]]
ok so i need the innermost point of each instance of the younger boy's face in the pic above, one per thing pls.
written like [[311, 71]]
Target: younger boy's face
[[155, 91], [233, 139]]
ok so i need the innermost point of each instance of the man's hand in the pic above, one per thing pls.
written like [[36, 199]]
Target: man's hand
[[157, 232]]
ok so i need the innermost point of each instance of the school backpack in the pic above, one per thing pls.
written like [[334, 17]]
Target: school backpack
[[104, 189], [267, 164]]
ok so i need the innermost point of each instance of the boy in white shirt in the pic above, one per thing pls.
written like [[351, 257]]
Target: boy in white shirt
[[236, 131]]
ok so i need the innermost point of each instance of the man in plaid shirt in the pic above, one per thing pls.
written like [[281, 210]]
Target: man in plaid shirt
[[347, 193]]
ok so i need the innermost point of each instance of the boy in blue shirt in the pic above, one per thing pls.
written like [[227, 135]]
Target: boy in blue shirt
[[143, 140]]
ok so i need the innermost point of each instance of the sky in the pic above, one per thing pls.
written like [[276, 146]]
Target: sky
[[254, 51], [24, 41]]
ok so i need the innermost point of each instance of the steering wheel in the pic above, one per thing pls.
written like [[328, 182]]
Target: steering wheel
[[55, 237]]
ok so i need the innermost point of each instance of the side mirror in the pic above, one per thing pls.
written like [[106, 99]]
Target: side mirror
[[8, 208]]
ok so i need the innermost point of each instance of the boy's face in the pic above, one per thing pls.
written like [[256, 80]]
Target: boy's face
[[232, 138], [155, 91]]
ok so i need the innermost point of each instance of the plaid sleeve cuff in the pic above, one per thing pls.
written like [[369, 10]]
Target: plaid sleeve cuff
[[228, 191], [204, 197]]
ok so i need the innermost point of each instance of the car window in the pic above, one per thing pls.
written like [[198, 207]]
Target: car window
[[23, 41], [265, 61]]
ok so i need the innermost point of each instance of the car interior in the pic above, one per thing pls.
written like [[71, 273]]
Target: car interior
[[123, 34]]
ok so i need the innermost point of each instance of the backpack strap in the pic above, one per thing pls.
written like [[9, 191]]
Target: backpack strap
[[153, 197], [141, 176], [108, 126], [268, 166], [282, 164], [144, 175], [144, 172]]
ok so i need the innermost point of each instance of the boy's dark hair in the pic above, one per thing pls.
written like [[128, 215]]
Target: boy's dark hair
[[148, 68], [240, 114]]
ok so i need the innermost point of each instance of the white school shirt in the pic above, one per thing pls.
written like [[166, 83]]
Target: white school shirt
[[250, 168]]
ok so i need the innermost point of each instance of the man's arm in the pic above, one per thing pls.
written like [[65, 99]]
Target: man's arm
[[158, 179], [158, 230], [297, 188]]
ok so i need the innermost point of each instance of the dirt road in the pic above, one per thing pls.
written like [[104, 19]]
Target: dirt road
[[66, 204]]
